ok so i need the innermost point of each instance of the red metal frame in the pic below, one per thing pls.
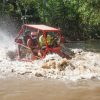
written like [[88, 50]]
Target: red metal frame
[[44, 29]]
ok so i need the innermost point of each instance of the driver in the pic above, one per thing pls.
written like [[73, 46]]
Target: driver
[[32, 42]]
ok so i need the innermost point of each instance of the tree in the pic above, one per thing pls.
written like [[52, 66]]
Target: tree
[[78, 19]]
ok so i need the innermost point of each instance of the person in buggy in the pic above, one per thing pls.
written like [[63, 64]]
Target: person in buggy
[[51, 38], [42, 40], [33, 44]]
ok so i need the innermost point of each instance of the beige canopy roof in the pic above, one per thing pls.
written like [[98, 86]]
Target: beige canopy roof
[[42, 27]]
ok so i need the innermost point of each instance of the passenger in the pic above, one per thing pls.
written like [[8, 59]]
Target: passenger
[[25, 36], [34, 38], [42, 40], [49, 40], [32, 43], [21, 40]]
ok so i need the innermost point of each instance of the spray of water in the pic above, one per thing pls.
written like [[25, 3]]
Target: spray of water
[[6, 40], [85, 65], [7, 44]]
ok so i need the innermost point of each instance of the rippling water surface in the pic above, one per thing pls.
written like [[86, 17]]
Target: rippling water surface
[[92, 45], [16, 89]]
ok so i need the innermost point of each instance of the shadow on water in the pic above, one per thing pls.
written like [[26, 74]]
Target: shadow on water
[[91, 45]]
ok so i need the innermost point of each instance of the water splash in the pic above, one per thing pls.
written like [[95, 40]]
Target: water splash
[[84, 65], [6, 40]]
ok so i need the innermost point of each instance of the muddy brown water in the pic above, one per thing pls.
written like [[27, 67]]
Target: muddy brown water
[[29, 89], [37, 89]]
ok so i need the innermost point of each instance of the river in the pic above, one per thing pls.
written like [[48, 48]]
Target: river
[[90, 45], [83, 86], [18, 89]]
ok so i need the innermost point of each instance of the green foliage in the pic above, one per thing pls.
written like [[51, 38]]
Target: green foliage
[[78, 19]]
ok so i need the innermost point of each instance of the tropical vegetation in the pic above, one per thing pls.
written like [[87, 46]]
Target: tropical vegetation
[[78, 19]]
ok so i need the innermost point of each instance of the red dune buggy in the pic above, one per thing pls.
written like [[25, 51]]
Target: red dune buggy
[[28, 49]]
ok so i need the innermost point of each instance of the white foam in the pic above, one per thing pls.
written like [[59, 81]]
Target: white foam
[[85, 65]]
